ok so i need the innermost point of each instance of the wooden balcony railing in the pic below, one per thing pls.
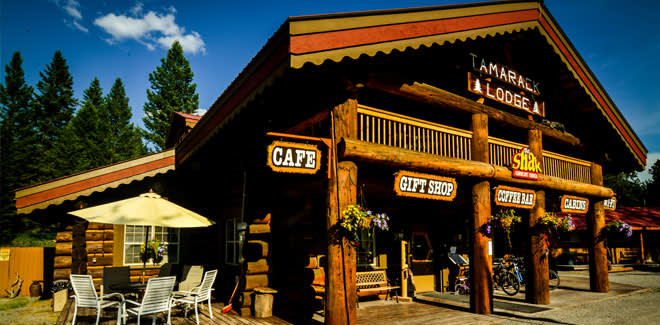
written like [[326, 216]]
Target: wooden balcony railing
[[382, 127]]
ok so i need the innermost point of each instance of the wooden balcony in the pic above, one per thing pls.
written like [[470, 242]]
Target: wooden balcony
[[382, 127]]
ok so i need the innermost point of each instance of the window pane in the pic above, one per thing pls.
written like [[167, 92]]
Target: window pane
[[173, 236]]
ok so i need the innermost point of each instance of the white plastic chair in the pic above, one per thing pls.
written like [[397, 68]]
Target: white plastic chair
[[85, 296], [192, 277], [197, 294], [156, 299]]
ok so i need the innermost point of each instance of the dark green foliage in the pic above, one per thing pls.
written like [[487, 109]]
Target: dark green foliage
[[83, 138], [124, 140], [18, 141], [171, 90], [54, 105], [630, 191]]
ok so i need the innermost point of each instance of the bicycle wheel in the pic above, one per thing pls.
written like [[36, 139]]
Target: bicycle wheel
[[554, 280], [510, 284], [460, 289]]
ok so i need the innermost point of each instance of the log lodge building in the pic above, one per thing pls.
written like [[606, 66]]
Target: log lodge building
[[437, 116]]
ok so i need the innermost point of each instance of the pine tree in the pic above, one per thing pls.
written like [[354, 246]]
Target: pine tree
[[124, 140], [653, 185], [171, 90], [83, 139], [17, 141], [55, 106]]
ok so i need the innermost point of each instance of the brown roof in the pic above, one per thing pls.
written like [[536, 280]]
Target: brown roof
[[637, 217], [317, 39], [42, 195]]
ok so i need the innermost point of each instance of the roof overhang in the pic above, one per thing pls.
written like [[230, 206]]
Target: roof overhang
[[54, 192], [317, 39]]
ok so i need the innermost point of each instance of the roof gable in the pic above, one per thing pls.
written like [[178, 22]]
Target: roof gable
[[317, 39]]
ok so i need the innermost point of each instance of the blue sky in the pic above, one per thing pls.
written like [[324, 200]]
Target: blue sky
[[620, 41]]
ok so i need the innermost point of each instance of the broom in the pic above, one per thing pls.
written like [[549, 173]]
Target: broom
[[228, 307]]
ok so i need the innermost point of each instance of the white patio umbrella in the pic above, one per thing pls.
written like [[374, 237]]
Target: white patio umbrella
[[148, 209]]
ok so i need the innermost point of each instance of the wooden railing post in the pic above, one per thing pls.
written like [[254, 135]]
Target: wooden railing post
[[598, 277], [537, 288], [481, 301], [341, 293]]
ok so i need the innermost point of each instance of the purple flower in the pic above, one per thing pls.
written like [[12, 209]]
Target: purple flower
[[489, 229]]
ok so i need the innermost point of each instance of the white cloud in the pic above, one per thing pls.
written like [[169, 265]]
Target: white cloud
[[192, 42], [150, 30], [137, 9], [72, 8], [80, 27], [650, 160]]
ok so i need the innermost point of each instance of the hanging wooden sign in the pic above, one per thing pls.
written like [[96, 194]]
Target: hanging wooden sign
[[515, 197], [424, 186], [574, 204], [525, 165], [503, 94], [610, 204], [290, 157]]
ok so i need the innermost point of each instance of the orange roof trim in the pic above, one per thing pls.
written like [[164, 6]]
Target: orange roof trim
[[42, 195]]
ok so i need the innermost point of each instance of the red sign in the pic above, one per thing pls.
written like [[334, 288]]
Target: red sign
[[525, 165]]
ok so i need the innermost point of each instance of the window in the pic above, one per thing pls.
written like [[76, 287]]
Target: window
[[231, 241], [366, 251], [134, 238]]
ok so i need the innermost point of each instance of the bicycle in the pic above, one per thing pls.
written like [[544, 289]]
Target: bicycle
[[462, 283], [519, 272], [505, 279]]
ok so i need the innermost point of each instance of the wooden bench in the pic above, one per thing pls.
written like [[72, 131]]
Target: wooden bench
[[372, 283]]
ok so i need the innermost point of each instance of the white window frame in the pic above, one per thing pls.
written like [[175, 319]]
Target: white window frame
[[232, 243], [152, 234]]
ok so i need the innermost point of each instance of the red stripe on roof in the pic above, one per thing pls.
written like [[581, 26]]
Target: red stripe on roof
[[370, 35], [92, 182]]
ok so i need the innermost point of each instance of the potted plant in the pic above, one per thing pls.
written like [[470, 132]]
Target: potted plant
[[355, 219], [155, 251]]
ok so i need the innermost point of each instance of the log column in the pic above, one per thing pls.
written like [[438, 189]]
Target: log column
[[341, 293], [537, 288], [481, 301], [598, 277]]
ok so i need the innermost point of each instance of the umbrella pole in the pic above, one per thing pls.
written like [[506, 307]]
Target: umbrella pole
[[144, 261]]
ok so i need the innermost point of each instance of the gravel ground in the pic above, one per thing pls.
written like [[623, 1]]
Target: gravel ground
[[37, 312], [636, 308]]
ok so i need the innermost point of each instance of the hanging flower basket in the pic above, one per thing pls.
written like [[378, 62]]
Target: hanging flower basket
[[503, 220], [155, 251], [356, 218], [617, 228]]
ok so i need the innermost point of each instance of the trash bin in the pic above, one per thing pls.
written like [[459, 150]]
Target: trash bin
[[263, 302]]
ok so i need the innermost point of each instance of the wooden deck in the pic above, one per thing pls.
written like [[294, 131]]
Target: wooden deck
[[109, 317]]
